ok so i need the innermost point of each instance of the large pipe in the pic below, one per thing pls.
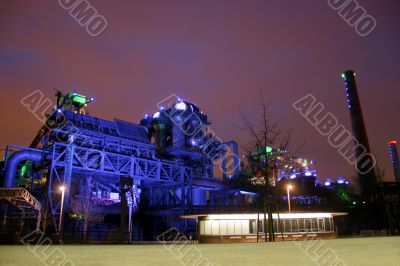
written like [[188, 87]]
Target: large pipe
[[367, 179], [235, 159], [15, 159], [394, 156]]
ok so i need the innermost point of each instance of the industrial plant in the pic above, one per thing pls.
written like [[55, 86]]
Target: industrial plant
[[87, 179]]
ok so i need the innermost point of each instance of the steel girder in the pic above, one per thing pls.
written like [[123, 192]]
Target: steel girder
[[22, 200], [69, 159]]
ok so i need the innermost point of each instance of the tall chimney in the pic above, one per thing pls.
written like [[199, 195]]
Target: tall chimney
[[364, 159], [395, 159]]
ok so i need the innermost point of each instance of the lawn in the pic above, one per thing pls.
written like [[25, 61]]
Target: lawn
[[351, 251]]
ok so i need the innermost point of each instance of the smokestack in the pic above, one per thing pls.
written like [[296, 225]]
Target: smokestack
[[395, 159], [364, 159]]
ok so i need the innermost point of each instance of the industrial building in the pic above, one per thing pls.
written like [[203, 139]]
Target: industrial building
[[163, 165], [84, 178], [87, 177], [229, 228]]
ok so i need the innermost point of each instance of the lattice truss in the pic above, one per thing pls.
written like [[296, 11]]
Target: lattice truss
[[20, 198], [68, 161]]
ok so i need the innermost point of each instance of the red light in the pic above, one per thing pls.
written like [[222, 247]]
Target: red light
[[392, 142]]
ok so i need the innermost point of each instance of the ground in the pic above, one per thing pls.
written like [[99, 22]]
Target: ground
[[350, 251]]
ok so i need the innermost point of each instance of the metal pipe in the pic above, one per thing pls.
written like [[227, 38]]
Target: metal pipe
[[15, 159]]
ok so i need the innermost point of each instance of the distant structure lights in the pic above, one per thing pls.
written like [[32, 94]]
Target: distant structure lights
[[327, 182], [181, 106]]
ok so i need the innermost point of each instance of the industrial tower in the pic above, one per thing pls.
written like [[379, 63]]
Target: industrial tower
[[364, 160], [394, 156]]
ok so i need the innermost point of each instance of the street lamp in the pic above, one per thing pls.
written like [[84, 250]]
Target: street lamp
[[62, 189], [289, 187]]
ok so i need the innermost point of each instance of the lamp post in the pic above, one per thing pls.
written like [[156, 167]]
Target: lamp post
[[62, 189], [289, 187]]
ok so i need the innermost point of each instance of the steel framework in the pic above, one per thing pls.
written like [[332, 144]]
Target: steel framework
[[69, 159], [23, 201], [76, 146]]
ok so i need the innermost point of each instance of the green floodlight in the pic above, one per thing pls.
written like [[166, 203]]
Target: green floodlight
[[268, 150], [79, 99], [23, 170]]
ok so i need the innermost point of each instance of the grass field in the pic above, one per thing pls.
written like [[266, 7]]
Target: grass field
[[352, 251]]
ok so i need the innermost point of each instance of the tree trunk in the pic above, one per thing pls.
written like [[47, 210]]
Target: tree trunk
[[265, 221], [85, 226], [271, 236]]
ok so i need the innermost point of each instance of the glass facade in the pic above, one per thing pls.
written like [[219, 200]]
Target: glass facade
[[220, 227]]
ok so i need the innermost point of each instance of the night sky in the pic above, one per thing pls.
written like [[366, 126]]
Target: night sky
[[218, 54]]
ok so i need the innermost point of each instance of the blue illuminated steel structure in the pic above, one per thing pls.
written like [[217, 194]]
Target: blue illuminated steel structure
[[69, 158], [110, 150], [168, 174]]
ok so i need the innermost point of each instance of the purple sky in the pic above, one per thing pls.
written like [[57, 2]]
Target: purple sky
[[215, 53]]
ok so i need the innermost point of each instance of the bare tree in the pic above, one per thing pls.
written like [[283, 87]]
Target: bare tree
[[272, 144], [83, 205], [46, 216]]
